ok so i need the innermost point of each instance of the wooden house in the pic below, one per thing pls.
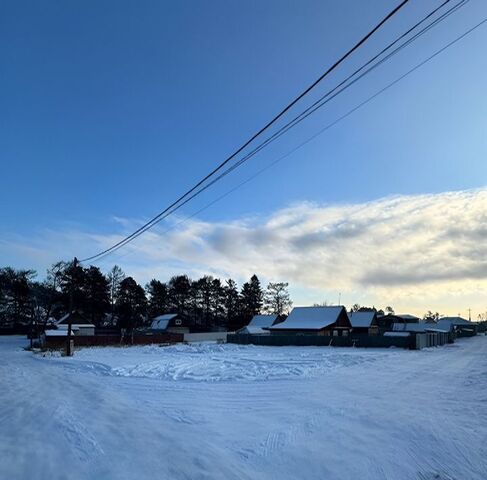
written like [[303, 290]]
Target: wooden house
[[324, 321], [364, 322]]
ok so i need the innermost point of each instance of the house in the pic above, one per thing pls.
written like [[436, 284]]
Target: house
[[461, 326], [169, 323], [385, 322], [80, 325], [364, 322], [259, 325], [314, 321]]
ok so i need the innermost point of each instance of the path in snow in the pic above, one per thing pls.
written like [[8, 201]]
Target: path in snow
[[228, 411]]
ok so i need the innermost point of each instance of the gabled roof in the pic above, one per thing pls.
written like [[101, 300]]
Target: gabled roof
[[362, 319], [262, 321], [406, 316], [310, 318], [253, 330], [161, 322], [76, 319], [456, 320]]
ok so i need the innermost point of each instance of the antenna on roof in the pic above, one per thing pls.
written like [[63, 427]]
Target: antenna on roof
[[339, 297]]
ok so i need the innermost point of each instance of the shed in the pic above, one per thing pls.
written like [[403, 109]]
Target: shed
[[259, 324], [385, 322], [364, 322], [80, 325], [169, 322], [460, 325], [331, 320]]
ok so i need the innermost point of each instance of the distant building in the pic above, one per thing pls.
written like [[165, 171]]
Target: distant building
[[315, 321], [169, 323], [364, 322], [385, 322], [461, 326], [259, 324], [80, 325]]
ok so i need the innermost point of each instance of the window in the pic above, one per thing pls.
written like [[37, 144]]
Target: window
[[335, 333]]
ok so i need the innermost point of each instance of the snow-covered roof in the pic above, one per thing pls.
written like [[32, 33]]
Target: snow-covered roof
[[253, 330], [456, 320], [56, 333], [309, 318], [420, 327], [361, 319], [397, 334], [162, 321], [77, 319], [406, 316], [262, 321]]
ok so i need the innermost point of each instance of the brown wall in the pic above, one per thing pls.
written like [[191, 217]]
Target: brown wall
[[105, 340]]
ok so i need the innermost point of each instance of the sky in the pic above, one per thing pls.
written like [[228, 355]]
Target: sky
[[111, 110]]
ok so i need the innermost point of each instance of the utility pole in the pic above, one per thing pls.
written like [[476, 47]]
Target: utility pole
[[469, 314], [70, 320]]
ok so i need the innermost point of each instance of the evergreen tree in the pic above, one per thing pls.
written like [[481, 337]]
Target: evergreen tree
[[131, 304], [158, 297], [71, 282], [180, 294], [96, 295], [251, 298], [16, 299], [277, 299], [232, 302]]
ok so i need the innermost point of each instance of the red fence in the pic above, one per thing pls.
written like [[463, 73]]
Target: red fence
[[105, 340]]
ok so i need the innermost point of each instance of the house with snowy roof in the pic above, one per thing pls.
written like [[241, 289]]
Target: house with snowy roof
[[364, 322], [385, 322], [461, 326], [80, 325], [169, 323], [259, 325], [332, 320]]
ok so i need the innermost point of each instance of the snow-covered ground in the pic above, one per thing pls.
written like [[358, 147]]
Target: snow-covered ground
[[244, 412]]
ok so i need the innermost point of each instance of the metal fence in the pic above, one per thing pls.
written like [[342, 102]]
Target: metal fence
[[364, 341]]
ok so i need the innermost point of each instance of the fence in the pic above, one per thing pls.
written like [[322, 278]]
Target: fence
[[106, 340], [206, 337], [363, 341]]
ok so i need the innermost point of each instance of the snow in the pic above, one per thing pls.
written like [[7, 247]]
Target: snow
[[309, 318], [262, 321], [211, 411], [162, 321], [361, 319]]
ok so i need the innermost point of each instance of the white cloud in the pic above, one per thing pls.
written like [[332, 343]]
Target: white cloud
[[412, 250]]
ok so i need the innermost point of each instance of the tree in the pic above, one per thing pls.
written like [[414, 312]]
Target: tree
[[179, 294], [389, 310], [355, 308], [115, 277], [430, 316], [231, 301], [71, 282], [251, 298], [16, 300], [277, 299], [96, 295], [131, 304], [158, 297]]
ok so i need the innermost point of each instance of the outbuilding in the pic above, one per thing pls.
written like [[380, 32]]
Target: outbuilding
[[80, 325], [169, 323], [364, 322], [324, 321], [259, 325]]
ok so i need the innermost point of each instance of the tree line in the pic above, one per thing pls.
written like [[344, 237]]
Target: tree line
[[117, 300]]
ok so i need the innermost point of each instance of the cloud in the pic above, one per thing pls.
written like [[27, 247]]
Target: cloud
[[429, 246]]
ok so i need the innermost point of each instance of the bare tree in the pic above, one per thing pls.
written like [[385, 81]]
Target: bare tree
[[277, 299]]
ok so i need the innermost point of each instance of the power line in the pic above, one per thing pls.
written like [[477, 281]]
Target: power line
[[299, 118], [263, 129], [327, 127]]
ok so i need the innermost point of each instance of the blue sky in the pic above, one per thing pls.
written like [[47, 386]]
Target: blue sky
[[110, 110]]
